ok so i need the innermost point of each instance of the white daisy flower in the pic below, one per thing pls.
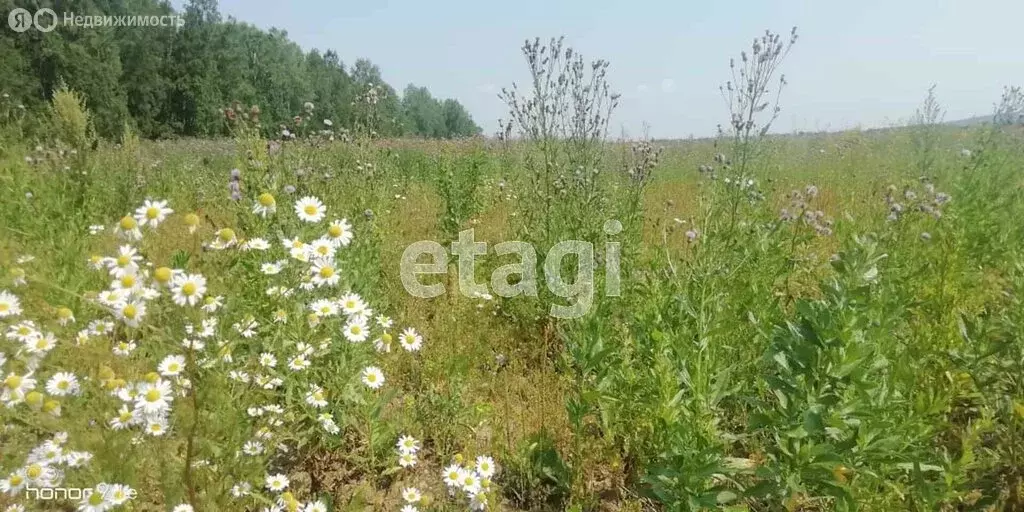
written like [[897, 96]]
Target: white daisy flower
[[154, 398], [267, 360], [298, 363], [340, 232], [451, 475], [212, 304], [152, 213], [407, 460], [124, 348], [315, 506], [321, 248], [241, 490], [131, 313], [188, 289], [125, 418], [408, 444], [324, 273], [252, 448], [95, 502], [310, 209], [24, 332], [119, 494], [62, 384], [485, 466], [171, 366], [469, 482], [126, 261], [277, 483], [255, 244], [9, 304], [410, 340], [315, 396], [324, 308], [356, 330], [270, 269], [352, 304], [41, 345], [157, 426], [373, 377], [411, 495]]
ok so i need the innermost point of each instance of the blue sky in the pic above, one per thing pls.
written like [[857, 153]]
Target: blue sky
[[863, 63]]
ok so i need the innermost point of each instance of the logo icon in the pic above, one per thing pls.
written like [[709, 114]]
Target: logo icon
[[20, 19]]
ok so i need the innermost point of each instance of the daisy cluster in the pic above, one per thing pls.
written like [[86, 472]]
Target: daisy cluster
[[288, 326], [471, 481]]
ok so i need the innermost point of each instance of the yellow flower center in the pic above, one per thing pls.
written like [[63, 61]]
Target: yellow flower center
[[152, 377], [24, 331], [62, 313], [34, 398], [41, 344], [356, 329], [152, 395], [125, 416], [34, 471], [4, 306], [188, 289], [335, 231], [63, 385], [226, 235], [130, 311], [326, 272], [310, 209], [173, 367], [372, 377], [191, 220], [152, 212], [96, 499], [16, 480], [386, 337], [128, 281], [12, 382], [319, 395], [128, 223], [123, 260], [51, 405], [266, 199], [323, 249], [162, 274]]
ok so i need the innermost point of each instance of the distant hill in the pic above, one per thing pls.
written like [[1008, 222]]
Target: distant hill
[[971, 121]]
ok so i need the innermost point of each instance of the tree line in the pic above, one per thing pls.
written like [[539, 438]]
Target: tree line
[[178, 81]]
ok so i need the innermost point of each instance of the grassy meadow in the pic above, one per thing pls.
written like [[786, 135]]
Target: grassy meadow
[[804, 323]]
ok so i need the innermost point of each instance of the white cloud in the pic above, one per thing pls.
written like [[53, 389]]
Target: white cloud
[[668, 85]]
